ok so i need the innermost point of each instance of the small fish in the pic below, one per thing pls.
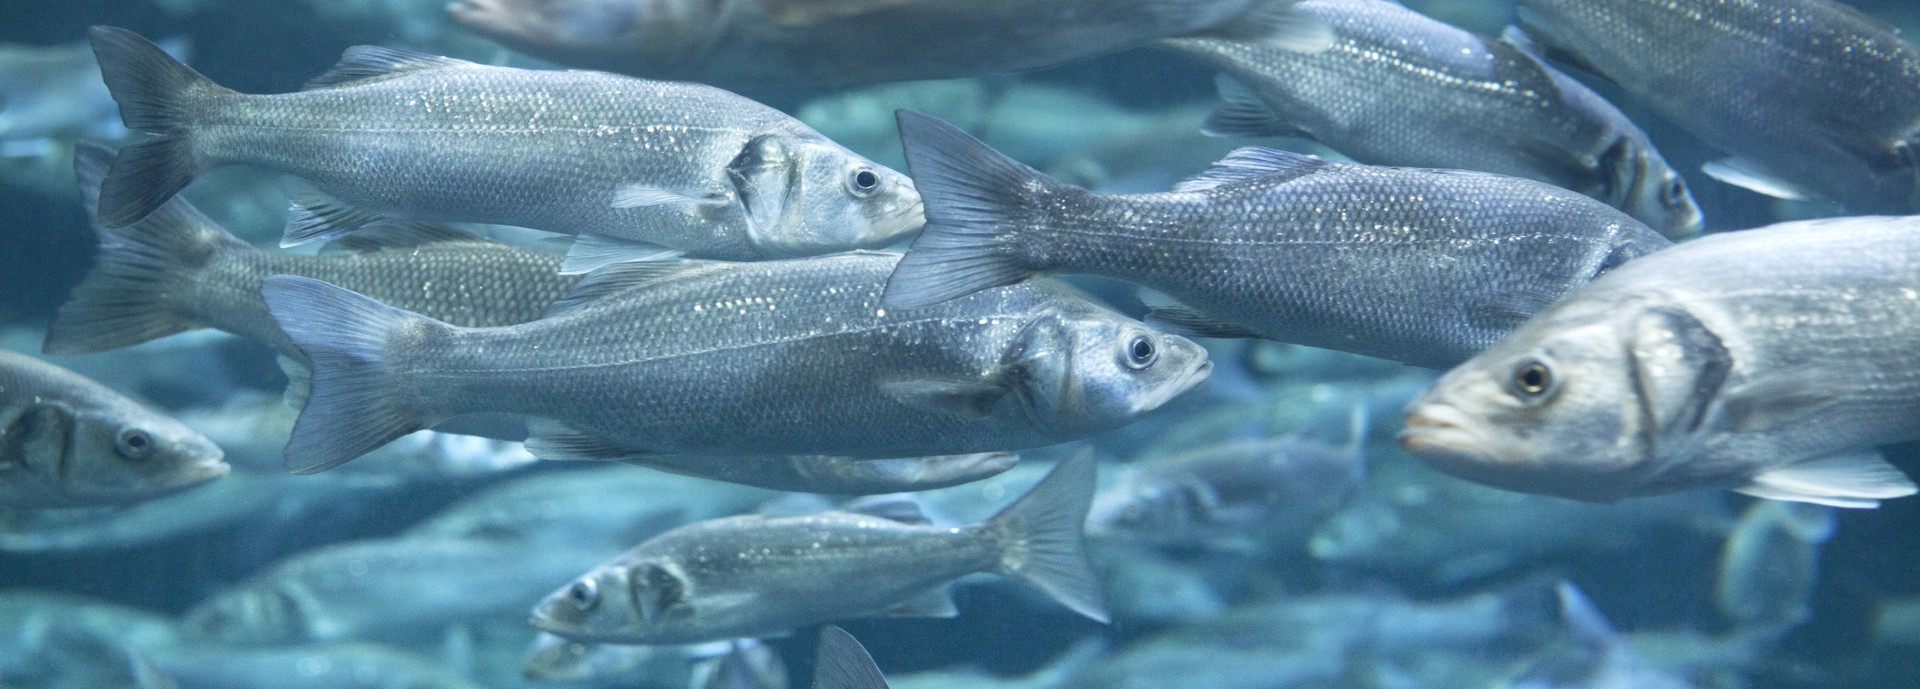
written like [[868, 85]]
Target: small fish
[[66, 441], [1812, 98], [176, 270], [756, 576], [1426, 267], [788, 43], [1597, 658], [395, 590], [609, 507], [1770, 565], [840, 662], [839, 475], [1771, 362], [50, 639], [1215, 493], [636, 168], [685, 358], [1398, 88]]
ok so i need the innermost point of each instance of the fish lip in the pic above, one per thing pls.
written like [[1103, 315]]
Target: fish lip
[[1439, 430], [1190, 380]]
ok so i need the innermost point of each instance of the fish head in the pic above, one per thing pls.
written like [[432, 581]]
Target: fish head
[[623, 600], [806, 196], [1655, 193], [1098, 370], [117, 455], [249, 615], [1578, 403]]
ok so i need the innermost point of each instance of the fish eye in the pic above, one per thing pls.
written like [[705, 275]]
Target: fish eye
[[1533, 379], [1674, 193], [863, 182], [133, 443], [584, 594], [1140, 352]]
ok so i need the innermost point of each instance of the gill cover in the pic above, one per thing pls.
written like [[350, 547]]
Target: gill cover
[[1677, 367], [767, 176]]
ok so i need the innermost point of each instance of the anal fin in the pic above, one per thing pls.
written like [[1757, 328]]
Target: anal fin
[[1857, 480], [553, 440]]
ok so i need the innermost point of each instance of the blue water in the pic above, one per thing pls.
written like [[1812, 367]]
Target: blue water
[[1650, 565]]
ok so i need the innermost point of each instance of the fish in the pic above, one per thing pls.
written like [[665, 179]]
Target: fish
[[609, 507], [1414, 266], [839, 475], [394, 590], [820, 43], [67, 441], [176, 270], [307, 666], [1811, 99], [745, 664], [1212, 494], [1770, 564], [1769, 361], [681, 358], [636, 169], [1597, 658], [1401, 89], [756, 576], [840, 662], [60, 639]]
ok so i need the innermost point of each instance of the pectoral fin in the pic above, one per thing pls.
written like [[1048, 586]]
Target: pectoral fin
[[965, 398], [1750, 176], [935, 603], [641, 195]]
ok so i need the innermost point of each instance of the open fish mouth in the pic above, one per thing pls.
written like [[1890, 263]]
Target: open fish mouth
[[1193, 378], [1435, 430]]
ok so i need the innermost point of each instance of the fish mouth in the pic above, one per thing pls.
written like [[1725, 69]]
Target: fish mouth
[[1435, 430], [1188, 381]]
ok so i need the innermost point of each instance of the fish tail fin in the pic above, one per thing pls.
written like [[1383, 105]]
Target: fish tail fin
[[978, 202], [356, 400], [1044, 542], [157, 94], [131, 294]]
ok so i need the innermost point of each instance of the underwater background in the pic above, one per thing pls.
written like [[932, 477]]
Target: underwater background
[[1251, 603]]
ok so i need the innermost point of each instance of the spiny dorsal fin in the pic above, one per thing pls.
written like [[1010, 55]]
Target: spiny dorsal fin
[[620, 277], [1252, 162], [405, 235], [364, 63]]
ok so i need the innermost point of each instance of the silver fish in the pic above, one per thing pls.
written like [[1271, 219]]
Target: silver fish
[[1212, 494], [396, 590], [602, 506], [1425, 267], [50, 639], [652, 358], [1770, 565], [635, 167], [838, 42], [1812, 98], [755, 576], [839, 475], [66, 441], [177, 270], [1598, 657], [1768, 361], [1398, 88]]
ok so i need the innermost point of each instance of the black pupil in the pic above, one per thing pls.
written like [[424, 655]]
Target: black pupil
[[865, 179], [580, 593], [137, 441], [1534, 378], [1142, 349]]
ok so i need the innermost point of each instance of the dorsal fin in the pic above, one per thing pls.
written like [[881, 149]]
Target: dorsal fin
[[621, 277], [405, 235], [1250, 163], [363, 63]]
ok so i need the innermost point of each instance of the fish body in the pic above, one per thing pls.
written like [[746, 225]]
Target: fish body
[[745, 359], [1398, 88], [400, 590], [640, 167], [1811, 98], [603, 506], [176, 270], [1425, 267], [67, 441], [1769, 361], [58, 639], [840, 475], [840, 42], [755, 576]]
